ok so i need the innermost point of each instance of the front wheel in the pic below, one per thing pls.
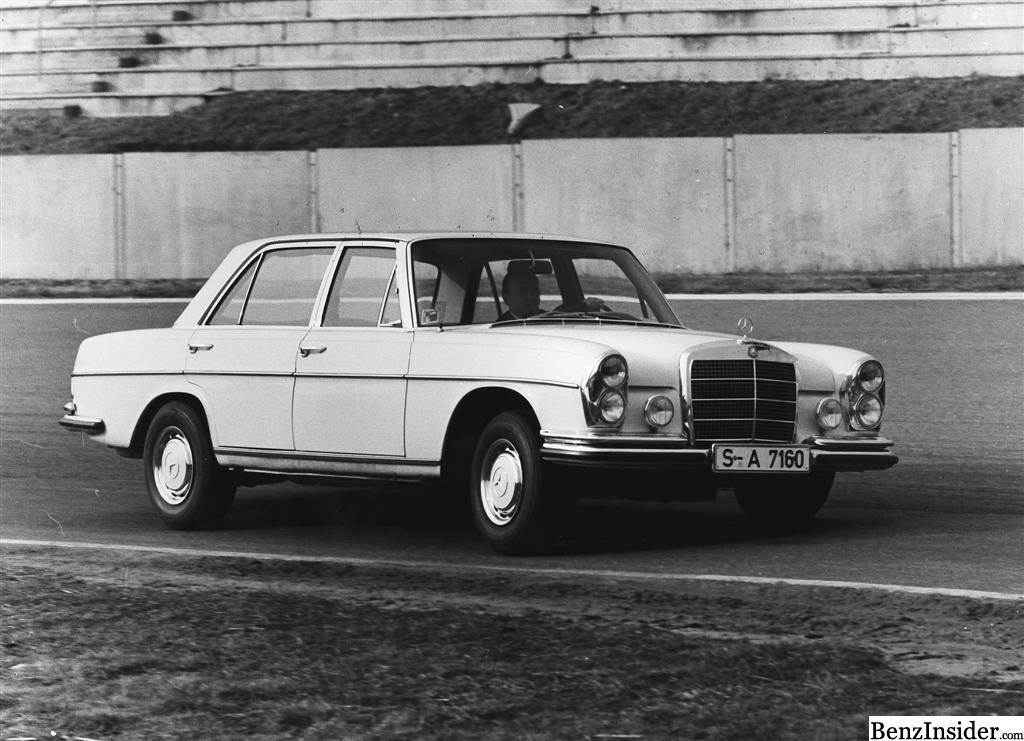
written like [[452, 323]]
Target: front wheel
[[506, 498], [784, 497], [186, 486]]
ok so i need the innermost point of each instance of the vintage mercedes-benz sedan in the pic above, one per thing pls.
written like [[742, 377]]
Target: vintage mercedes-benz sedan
[[517, 371]]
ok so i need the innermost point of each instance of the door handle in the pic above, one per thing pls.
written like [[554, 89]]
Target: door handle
[[307, 350], [194, 347]]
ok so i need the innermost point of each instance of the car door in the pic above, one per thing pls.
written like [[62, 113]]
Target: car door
[[350, 376], [243, 357]]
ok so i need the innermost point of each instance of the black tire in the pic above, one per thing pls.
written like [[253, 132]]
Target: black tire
[[506, 485], [186, 486], [779, 498]]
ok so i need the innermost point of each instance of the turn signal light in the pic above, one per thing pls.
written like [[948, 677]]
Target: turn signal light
[[830, 414]]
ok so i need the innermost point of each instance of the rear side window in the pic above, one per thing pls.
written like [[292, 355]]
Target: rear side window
[[230, 309], [279, 290]]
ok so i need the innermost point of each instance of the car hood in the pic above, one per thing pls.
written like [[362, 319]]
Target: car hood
[[653, 352]]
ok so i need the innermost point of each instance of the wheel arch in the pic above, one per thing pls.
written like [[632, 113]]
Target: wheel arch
[[139, 434], [471, 415]]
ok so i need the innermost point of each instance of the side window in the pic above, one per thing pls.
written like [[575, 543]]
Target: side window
[[488, 297], [364, 293], [427, 279], [392, 314], [285, 287], [230, 309]]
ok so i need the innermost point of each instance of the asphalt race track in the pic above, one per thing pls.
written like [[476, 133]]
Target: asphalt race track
[[950, 515]]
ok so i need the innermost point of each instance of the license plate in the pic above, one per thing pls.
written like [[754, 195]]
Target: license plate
[[761, 459]]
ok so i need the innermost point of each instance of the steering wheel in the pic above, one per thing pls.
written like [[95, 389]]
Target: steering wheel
[[590, 303]]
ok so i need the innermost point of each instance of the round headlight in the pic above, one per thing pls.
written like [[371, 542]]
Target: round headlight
[[830, 414], [611, 406], [868, 412], [613, 371], [870, 376], [658, 411]]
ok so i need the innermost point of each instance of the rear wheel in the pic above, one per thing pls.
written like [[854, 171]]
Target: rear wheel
[[186, 486], [783, 497], [506, 482]]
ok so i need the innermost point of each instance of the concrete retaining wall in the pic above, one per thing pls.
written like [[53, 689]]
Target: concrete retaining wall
[[665, 198], [842, 202], [415, 188], [991, 194], [749, 203], [184, 211], [59, 217]]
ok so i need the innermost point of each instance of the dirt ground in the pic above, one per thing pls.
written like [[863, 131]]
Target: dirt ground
[[1007, 278], [448, 116], [104, 645]]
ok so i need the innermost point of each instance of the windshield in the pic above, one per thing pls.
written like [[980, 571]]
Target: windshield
[[477, 281]]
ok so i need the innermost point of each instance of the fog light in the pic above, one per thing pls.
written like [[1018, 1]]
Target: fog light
[[611, 406], [830, 414], [868, 412], [658, 411]]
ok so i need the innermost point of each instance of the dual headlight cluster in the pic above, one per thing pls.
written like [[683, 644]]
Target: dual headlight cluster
[[606, 390], [606, 396], [864, 401]]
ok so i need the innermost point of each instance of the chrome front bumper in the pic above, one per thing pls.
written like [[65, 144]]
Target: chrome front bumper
[[665, 451]]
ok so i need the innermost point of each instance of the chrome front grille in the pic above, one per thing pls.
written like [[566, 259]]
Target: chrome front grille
[[742, 400]]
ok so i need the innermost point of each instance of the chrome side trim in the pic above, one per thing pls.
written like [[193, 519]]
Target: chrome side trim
[[327, 464], [391, 376], [495, 379], [461, 379], [98, 374], [280, 374], [90, 425]]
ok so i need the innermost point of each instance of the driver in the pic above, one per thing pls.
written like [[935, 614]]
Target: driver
[[520, 290]]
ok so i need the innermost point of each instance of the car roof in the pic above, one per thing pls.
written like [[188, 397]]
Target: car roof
[[415, 236], [240, 253]]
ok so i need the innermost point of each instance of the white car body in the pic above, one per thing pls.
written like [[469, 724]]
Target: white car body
[[392, 398]]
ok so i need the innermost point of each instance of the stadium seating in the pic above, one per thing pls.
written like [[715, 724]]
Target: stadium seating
[[143, 57]]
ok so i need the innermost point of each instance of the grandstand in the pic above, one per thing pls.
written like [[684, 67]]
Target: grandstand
[[146, 57]]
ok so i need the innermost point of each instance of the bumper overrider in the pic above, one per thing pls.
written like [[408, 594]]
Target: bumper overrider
[[668, 451]]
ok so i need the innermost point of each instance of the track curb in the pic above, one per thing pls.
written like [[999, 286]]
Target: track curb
[[542, 571]]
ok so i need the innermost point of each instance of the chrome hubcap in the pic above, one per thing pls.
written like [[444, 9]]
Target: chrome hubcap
[[172, 466], [501, 482]]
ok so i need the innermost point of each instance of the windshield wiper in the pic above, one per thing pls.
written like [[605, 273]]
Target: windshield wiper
[[602, 316]]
